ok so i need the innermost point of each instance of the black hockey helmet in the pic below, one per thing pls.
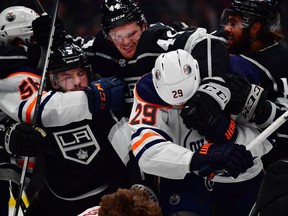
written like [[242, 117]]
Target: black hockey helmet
[[265, 11], [115, 13], [67, 57]]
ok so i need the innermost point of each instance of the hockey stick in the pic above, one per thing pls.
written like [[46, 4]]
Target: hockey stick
[[39, 6], [268, 131], [258, 140], [39, 95]]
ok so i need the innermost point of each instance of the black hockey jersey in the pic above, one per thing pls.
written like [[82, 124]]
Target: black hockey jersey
[[79, 159], [270, 69], [11, 57], [208, 50]]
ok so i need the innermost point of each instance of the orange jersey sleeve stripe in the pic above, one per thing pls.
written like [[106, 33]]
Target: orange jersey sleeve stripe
[[139, 142], [30, 108]]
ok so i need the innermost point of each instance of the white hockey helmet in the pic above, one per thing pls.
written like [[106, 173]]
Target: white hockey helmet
[[176, 76], [16, 22]]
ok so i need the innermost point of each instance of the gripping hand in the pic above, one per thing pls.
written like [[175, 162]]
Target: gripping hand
[[105, 94], [235, 95], [23, 140], [203, 113], [41, 30], [246, 98], [233, 158]]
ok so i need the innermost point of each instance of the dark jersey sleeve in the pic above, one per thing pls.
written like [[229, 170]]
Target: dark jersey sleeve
[[11, 58], [210, 51], [212, 57]]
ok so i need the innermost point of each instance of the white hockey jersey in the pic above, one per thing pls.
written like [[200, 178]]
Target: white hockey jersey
[[18, 96], [164, 146]]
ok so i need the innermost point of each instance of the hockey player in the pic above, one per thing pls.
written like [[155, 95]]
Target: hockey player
[[19, 81], [165, 147], [80, 163], [19, 92], [273, 195], [15, 35], [13, 46], [127, 45], [136, 201], [4, 157], [250, 26]]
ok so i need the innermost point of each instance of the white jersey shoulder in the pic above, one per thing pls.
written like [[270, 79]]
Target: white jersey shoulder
[[18, 95]]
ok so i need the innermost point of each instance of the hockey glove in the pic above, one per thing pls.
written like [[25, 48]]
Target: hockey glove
[[23, 140], [210, 158], [41, 31], [235, 95], [105, 94], [201, 112], [246, 98]]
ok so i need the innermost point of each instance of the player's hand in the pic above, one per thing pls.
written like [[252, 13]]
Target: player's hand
[[41, 30], [203, 113], [246, 98], [23, 140], [235, 95], [233, 158], [105, 94]]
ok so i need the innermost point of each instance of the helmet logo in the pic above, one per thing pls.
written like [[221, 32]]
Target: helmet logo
[[116, 6], [10, 17], [117, 18], [158, 74], [122, 62], [187, 69]]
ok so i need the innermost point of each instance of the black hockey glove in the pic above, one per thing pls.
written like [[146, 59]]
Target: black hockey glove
[[201, 112], [246, 98], [41, 31], [235, 95], [232, 158], [23, 140], [105, 94]]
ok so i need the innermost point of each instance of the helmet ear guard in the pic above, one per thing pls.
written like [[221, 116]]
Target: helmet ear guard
[[16, 23], [176, 76]]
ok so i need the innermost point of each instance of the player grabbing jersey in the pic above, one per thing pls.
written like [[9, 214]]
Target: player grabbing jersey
[[252, 38], [180, 133], [80, 163]]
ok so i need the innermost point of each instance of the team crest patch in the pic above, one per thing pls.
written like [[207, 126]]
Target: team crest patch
[[78, 144]]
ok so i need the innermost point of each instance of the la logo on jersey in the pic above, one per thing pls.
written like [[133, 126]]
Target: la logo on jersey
[[78, 144]]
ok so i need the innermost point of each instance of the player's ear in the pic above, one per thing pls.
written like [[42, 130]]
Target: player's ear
[[255, 29], [144, 26], [52, 80]]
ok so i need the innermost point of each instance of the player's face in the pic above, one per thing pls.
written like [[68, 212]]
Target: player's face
[[72, 80], [238, 38], [126, 38]]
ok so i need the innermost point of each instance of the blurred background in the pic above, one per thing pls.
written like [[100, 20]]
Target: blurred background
[[81, 17]]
